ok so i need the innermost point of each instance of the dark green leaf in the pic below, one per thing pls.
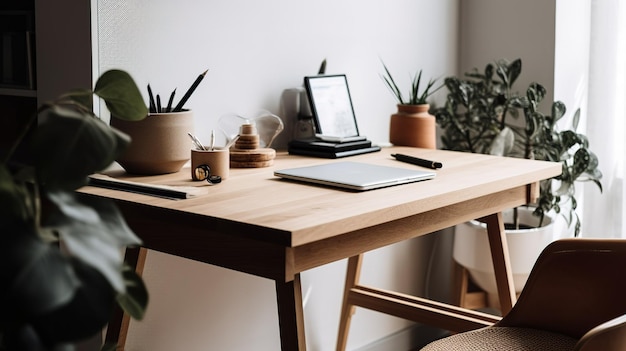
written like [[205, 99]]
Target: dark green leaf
[[135, 300], [15, 200], [576, 119], [558, 110], [502, 72], [569, 139], [84, 315], [94, 231], [536, 92], [34, 277], [577, 227], [593, 164], [69, 146], [460, 91], [489, 71], [392, 85], [121, 95], [21, 337], [533, 121], [581, 162], [514, 70]]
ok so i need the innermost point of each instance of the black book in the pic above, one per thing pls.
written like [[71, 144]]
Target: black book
[[327, 146], [332, 154]]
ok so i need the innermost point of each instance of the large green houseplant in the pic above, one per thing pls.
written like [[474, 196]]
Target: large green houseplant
[[61, 269], [483, 113]]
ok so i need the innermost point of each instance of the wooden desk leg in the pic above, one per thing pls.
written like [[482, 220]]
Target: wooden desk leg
[[501, 261], [117, 330], [347, 309], [291, 315]]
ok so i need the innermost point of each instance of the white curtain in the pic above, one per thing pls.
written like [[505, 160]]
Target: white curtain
[[603, 214]]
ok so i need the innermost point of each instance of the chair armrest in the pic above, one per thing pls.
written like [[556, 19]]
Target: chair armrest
[[608, 336]]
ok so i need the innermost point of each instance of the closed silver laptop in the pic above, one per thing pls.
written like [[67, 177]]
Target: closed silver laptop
[[355, 175]]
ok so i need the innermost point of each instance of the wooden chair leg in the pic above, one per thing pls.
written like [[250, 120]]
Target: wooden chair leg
[[117, 330], [347, 309], [461, 285], [466, 294]]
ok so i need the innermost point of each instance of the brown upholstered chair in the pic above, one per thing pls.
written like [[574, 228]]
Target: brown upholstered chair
[[574, 299]]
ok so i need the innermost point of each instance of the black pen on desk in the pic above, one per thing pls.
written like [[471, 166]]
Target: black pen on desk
[[193, 87], [169, 103], [417, 161]]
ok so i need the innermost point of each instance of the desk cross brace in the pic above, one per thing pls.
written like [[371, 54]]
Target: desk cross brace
[[422, 310]]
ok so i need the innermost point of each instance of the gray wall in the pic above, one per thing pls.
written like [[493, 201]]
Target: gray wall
[[510, 29]]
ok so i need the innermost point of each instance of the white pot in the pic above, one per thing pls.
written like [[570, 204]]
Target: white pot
[[471, 248]]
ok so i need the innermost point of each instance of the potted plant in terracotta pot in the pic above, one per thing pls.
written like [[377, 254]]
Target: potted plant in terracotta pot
[[60, 251], [412, 125], [484, 114]]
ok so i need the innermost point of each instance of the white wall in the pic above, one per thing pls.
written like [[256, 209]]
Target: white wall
[[254, 50], [571, 53]]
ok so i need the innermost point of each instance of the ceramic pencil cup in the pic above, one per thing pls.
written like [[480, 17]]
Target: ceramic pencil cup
[[217, 159], [159, 143]]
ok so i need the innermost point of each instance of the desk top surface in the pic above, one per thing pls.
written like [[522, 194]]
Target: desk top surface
[[294, 213]]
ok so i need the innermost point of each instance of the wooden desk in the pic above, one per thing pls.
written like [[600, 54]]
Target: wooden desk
[[256, 223]]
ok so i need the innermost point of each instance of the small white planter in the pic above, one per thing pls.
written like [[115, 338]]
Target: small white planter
[[471, 248]]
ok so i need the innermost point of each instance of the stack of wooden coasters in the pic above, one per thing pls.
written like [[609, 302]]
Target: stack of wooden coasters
[[246, 152]]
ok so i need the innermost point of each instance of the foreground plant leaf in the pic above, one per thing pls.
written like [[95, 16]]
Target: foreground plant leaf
[[14, 200], [34, 277], [84, 315], [69, 146], [121, 95], [135, 300], [94, 231]]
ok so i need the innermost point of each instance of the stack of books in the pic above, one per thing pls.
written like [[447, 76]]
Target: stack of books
[[328, 149]]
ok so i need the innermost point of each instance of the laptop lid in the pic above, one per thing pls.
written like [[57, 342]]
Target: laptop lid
[[331, 105], [355, 175]]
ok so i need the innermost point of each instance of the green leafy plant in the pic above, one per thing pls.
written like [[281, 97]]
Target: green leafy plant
[[61, 269], [416, 97], [480, 114]]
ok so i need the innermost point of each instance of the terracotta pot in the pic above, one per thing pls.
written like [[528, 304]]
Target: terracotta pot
[[413, 126], [159, 144]]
